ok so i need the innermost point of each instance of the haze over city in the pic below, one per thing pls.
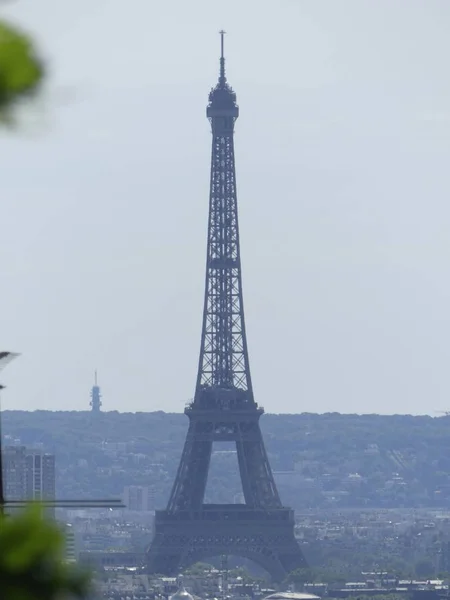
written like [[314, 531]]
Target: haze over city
[[342, 151]]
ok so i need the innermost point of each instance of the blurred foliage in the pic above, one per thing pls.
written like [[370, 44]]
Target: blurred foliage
[[32, 564], [21, 71]]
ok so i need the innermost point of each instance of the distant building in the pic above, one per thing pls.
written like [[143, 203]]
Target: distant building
[[14, 472], [28, 474], [40, 476], [239, 498], [139, 498], [72, 545]]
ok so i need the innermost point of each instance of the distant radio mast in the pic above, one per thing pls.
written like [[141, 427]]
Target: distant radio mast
[[95, 403]]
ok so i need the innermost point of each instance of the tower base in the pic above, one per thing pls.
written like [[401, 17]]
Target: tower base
[[264, 536]]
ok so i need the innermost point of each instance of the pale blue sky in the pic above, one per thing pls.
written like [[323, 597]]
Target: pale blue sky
[[343, 151]]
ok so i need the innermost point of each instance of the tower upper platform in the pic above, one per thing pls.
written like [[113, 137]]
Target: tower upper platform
[[222, 98]]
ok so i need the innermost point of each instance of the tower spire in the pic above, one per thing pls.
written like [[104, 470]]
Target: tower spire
[[222, 78]]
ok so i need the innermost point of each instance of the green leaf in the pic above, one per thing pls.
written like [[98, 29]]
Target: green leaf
[[32, 564], [21, 71]]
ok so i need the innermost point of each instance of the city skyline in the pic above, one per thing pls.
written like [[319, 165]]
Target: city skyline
[[342, 147]]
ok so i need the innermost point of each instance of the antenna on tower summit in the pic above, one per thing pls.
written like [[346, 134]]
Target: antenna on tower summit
[[222, 78], [222, 34]]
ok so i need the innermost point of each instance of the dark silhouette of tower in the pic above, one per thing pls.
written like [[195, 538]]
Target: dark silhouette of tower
[[223, 408], [95, 402]]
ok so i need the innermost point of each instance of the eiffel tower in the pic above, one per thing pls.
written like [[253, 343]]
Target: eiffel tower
[[223, 408]]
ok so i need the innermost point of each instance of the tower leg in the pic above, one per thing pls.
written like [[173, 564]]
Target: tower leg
[[256, 475], [189, 487]]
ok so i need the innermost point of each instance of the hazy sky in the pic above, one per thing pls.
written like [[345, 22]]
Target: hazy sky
[[343, 150]]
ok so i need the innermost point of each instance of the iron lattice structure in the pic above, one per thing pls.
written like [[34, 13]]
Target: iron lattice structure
[[223, 408]]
